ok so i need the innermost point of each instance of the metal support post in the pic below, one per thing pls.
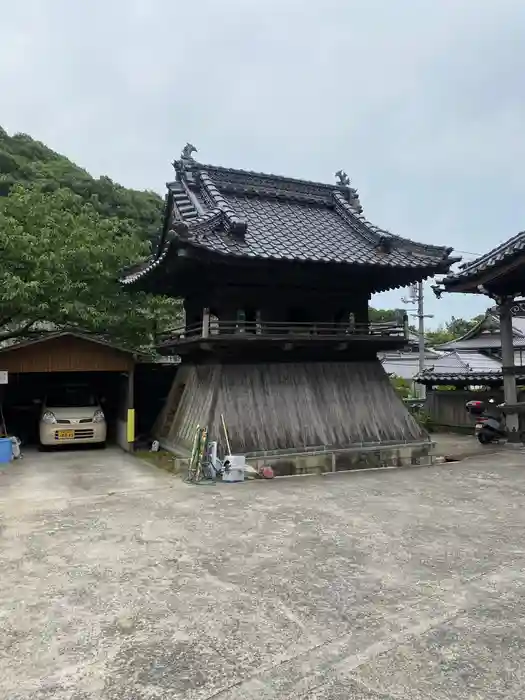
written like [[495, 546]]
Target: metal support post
[[421, 337], [417, 297]]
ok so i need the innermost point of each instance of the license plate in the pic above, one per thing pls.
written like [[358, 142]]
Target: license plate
[[65, 434], [479, 426]]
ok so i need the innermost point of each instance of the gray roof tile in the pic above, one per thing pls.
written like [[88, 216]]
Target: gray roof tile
[[502, 253], [254, 215], [291, 230], [485, 334], [482, 341], [461, 366], [404, 364]]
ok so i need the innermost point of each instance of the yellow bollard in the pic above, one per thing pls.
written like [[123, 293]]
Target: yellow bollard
[[131, 425]]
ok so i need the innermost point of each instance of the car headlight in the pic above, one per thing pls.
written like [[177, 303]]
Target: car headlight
[[99, 417], [48, 417]]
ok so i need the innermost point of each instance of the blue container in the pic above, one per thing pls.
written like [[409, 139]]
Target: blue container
[[6, 450]]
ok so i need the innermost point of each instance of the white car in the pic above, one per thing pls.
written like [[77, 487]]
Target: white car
[[72, 415]]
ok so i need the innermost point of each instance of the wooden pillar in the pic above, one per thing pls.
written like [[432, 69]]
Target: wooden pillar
[[510, 392]]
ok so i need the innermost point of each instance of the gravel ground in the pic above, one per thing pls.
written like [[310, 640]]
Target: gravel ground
[[119, 582]]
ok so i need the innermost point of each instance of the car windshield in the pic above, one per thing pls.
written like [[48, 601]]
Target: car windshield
[[71, 397]]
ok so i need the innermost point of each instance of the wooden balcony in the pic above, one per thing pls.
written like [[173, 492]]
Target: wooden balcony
[[266, 340]]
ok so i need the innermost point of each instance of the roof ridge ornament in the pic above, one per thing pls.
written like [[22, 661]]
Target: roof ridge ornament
[[385, 243], [187, 152], [342, 179]]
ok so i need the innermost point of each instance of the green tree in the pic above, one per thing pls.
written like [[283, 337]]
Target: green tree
[[61, 260], [24, 161], [385, 315], [438, 336], [402, 386], [455, 328]]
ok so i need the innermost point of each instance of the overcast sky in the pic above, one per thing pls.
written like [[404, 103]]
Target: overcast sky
[[422, 102]]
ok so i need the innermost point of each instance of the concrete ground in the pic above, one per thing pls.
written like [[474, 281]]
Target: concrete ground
[[119, 582], [455, 446]]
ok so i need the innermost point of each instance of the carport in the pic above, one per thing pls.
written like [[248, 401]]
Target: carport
[[35, 366]]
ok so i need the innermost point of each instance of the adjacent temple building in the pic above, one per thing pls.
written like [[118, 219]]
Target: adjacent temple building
[[500, 275], [276, 275]]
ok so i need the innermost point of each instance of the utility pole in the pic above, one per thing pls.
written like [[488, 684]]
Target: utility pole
[[416, 297], [421, 337]]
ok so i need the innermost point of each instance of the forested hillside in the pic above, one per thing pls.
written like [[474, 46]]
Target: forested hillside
[[65, 238], [25, 161]]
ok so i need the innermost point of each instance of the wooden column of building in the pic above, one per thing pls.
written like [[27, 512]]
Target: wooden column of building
[[509, 377]]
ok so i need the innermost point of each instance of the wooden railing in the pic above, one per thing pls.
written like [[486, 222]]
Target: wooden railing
[[246, 330]]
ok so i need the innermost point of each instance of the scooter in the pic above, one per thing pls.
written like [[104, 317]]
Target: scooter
[[490, 423]]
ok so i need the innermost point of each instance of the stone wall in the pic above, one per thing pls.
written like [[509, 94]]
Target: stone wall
[[330, 461]]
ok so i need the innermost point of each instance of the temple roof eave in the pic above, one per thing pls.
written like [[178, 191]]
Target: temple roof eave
[[472, 276], [244, 214], [177, 247], [468, 378]]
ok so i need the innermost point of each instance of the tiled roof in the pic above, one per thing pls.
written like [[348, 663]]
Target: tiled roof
[[253, 215], [472, 361], [502, 253], [287, 230], [484, 341], [473, 367], [404, 364], [485, 334]]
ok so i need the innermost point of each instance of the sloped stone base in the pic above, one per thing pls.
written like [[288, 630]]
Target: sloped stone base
[[333, 461], [287, 408]]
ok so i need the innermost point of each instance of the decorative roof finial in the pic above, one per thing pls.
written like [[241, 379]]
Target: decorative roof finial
[[187, 152], [342, 178]]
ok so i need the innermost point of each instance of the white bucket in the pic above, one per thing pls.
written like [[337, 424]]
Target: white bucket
[[236, 461], [234, 474]]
